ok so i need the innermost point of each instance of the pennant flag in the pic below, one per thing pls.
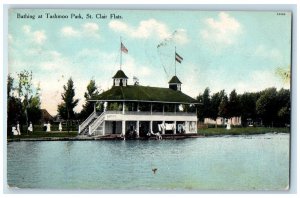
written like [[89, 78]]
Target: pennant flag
[[123, 48], [178, 58]]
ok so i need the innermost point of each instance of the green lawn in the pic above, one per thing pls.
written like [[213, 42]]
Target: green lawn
[[241, 131], [46, 134]]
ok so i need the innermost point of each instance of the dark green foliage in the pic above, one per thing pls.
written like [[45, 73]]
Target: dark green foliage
[[215, 103], [91, 93], [66, 108], [248, 106], [274, 107], [233, 105], [203, 108], [23, 101], [270, 106], [224, 107]]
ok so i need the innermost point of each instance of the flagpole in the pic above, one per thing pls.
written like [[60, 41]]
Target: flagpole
[[120, 53], [175, 60]]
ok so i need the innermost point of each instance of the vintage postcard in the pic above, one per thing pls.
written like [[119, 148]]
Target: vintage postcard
[[148, 100]]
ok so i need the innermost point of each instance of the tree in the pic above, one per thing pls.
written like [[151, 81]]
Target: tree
[[284, 103], [203, 109], [91, 93], [248, 106], [233, 105], [10, 86], [66, 108], [23, 100], [14, 105], [284, 73], [223, 107], [215, 103], [267, 107]]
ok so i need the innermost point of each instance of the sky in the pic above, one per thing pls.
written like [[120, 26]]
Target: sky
[[220, 50]]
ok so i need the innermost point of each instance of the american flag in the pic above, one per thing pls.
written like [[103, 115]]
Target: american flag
[[123, 48]]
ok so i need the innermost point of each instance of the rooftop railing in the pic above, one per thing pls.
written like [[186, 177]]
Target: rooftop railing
[[152, 113]]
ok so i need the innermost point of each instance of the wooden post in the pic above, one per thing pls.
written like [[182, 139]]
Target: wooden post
[[174, 127], [123, 107], [123, 127]]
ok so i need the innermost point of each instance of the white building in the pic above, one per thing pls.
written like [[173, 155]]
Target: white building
[[142, 110], [235, 121]]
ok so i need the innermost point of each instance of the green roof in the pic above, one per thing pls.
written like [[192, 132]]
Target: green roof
[[120, 74], [146, 94], [174, 79]]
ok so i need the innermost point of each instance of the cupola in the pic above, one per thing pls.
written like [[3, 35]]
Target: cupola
[[120, 79], [175, 84]]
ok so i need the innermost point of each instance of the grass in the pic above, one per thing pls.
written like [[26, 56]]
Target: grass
[[43, 134], [241, 131]]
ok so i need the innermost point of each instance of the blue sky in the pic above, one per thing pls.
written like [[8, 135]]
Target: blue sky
[[220, 50]]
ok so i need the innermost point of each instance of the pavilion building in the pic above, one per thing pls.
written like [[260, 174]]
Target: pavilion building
[[142, 109]]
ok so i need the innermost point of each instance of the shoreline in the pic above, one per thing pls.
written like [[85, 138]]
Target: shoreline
[[102, 138], [115, 137]]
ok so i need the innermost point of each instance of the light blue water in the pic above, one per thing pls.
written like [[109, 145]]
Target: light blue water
[[258, 162]]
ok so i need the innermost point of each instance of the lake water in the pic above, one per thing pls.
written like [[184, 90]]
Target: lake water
[[259, 162]]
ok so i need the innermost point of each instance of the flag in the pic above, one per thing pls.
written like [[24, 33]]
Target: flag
[[178, 58], [123, 48]]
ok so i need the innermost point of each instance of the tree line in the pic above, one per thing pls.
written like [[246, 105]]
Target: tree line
[[272, 107]]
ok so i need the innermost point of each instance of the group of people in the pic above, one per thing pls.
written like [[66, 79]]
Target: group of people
[[47, 127], [16, 129]]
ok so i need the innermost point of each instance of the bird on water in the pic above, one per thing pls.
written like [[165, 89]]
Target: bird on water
[[154, 170]]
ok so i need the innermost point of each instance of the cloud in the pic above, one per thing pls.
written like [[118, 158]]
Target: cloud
[[181, 36], [87, 29], [26, 29], [69, 32], [149, 28], [91, 28], [221, 31], [269, 53], [37, 37]]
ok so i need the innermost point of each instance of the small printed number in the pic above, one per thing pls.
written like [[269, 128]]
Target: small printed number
[[281, 13]]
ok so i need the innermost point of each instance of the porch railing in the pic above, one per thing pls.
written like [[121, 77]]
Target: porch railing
[[86, 122], [152, 113]]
